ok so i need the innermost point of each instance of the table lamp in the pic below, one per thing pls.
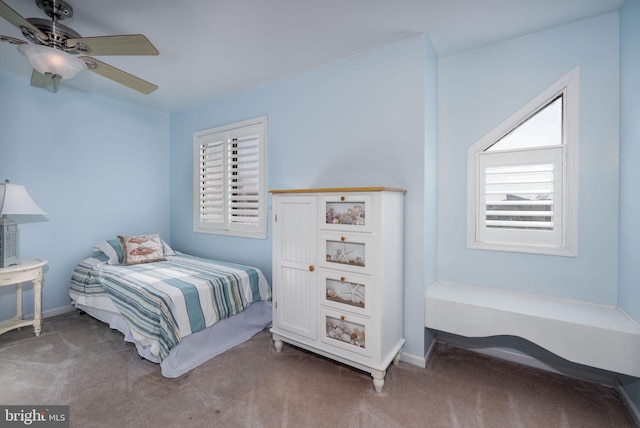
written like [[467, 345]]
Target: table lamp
[[14, 200]]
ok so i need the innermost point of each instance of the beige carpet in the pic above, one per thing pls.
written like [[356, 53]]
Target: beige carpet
[[80, 362]]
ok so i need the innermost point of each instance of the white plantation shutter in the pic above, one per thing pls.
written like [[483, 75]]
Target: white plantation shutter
[[211, 180], [520, 196], [230, 179], [243, 178]]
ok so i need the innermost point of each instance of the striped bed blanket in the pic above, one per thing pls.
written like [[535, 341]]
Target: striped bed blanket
[[163, 302]]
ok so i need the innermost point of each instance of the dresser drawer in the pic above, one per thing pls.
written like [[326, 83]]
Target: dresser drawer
[[345, 291], [346, 331], [349, 212], [346, 251]]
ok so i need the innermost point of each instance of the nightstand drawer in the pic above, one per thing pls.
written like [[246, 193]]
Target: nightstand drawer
[[18, 277]]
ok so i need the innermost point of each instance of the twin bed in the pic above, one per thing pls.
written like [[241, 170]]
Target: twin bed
[[178, 310]]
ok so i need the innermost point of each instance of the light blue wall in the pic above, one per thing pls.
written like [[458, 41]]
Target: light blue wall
[[629, 280], [482, 88], [629, 156], [430, 181], [98, 167], [356, 122]]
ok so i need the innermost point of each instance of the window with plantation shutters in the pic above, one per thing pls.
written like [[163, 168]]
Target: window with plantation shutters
[[522, 189], [521, 196], [230, 183]]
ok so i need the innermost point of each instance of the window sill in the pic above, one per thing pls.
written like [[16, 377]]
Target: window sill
[[529, 249], [236, 233]]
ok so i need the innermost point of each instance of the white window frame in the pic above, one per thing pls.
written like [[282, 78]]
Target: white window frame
[[223, 139], [562, 240]]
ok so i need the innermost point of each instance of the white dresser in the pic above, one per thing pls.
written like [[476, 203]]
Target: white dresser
[[337, 274]]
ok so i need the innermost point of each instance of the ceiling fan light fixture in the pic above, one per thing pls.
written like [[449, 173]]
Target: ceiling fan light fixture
[[52, 61]]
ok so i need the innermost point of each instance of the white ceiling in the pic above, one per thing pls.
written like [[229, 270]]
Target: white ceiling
[[212, 48]]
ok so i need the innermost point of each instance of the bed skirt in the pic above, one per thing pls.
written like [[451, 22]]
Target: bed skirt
[[199, 347]]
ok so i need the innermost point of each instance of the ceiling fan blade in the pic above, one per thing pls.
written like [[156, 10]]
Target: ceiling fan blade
[[130, 44], [11, 40], [118, 75], [49, 81], [19, 22]]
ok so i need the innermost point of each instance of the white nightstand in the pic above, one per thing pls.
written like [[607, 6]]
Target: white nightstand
[[27, 270]]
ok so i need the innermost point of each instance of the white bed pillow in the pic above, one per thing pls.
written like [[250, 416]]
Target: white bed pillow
[[112, 249]]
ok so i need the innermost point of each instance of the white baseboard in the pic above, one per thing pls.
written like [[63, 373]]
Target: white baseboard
[[430, 351], [575, 371], [417, 360], [633, 409], [515, 357], [52, 312], [58, 311]]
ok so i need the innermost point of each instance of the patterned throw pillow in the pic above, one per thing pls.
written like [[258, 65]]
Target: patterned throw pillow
[[141, 249], [112, 249]]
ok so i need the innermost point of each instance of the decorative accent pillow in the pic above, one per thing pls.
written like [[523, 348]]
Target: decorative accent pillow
[[112, 249], [141, 249]]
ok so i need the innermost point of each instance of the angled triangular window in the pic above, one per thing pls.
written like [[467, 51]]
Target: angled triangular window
[[542, 129], [521, 180]]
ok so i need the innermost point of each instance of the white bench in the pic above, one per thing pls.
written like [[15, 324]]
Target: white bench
[[595, 335]]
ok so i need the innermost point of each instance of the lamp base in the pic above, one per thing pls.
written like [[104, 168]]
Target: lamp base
[[8, 242]]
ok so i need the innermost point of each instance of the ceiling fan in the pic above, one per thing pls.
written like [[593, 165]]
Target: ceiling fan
[[55, 48]]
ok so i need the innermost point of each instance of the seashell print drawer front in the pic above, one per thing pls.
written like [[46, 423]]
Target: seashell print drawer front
[[348, 212], [346, 251], [345, 331], [346, 291]]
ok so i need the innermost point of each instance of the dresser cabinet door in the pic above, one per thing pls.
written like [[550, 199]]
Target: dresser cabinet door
[[295, 277]]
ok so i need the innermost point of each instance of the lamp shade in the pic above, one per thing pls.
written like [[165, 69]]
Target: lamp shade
[[14, 199], [49, 60]]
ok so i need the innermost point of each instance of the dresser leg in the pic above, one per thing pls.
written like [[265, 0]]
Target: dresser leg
[[378, 379], [396, 360], [277, 343]]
